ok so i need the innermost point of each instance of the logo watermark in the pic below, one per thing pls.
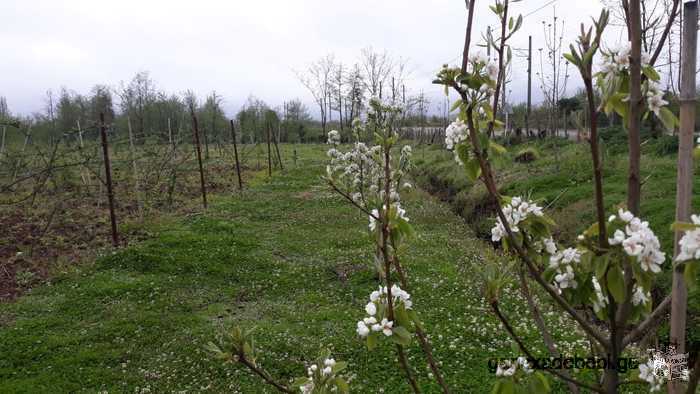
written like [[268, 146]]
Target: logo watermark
[[669, 365]]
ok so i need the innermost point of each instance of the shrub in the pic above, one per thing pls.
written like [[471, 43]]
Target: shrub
[[527, 155]]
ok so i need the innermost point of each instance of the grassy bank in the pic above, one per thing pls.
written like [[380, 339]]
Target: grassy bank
[[560, 177]]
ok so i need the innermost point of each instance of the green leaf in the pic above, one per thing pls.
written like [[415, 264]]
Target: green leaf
[[401, 336], [401, 317], [473, 169], [456, 105], [690, 274], [651, 73], [668, 119], [539, 383], [616, 283], [372, 341], [682, 226], [342, 385], [339, 366], [600, 264], [573, 60]]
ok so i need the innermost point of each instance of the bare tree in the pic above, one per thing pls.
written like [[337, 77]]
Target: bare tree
[[317, 79], [553, 68]]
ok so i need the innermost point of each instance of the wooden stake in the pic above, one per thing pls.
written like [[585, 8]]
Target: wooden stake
[[170, 135], [2, 146], [269, 155], [235, 154], [108, 176], [198, 148], [684, 188], [134, 173]]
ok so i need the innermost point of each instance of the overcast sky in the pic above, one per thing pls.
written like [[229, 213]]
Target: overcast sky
[[241, 47]]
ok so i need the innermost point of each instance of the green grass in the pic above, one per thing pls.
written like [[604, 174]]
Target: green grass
[[139, 318]]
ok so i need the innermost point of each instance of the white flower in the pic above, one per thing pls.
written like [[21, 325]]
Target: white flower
[[492, 71], [626, 216], [514, 213], [690, 243], [653, 373], [387, 326], [566, 279], [371, 309], [600, 301], [639, 296], [374, 296], [632, 246], [372, 220], [509, 369], [401, 213], [327, 371], [369, 320], [550, 246], [455, 133], [334, 137], [478, 57], [655, 101], [617, 239], [362, 329]]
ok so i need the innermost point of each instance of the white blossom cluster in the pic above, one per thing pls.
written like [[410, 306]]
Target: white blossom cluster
[[690, 242], [325, 370], [638, 241], [508, 368], [515, 212], [333, 137], [653, 374], [359, 168], [381, 106], [617, 60], [456, 133], [563, 262], [377, 299], [655, 97]]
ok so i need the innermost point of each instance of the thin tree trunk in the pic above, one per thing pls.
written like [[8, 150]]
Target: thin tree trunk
[[634, 118]]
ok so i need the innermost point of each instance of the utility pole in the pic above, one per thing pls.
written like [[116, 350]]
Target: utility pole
[[684, 187], [529, 86]]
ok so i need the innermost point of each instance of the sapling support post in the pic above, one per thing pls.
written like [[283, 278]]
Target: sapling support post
[[269, 153], [235, 155], [684, 186], [108, 179], [198, 149], [277, 149]]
